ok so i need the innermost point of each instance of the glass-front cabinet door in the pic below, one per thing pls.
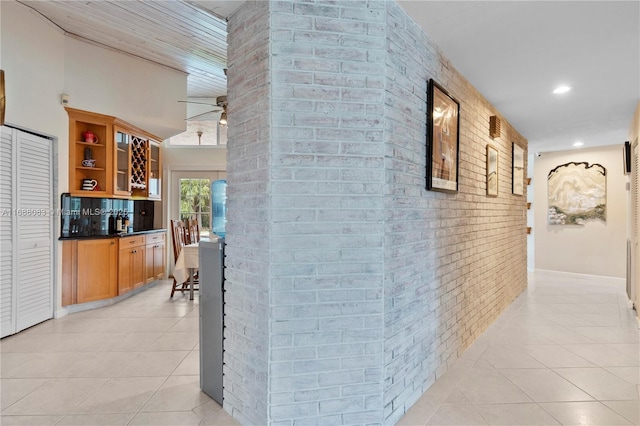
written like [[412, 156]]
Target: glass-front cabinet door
[[122, 164], [154, 186]]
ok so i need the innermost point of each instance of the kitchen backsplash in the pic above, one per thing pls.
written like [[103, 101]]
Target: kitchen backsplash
[[85, 217]]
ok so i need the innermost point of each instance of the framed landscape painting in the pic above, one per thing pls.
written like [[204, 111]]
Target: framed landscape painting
[[492, 171], [443, 128], [577, 193]]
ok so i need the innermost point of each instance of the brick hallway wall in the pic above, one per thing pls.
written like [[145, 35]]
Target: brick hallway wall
[[352, 287], [453, 262]]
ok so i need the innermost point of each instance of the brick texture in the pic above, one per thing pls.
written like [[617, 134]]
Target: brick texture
[[350, 287], [247, 251], [327, 233], [453, 262]]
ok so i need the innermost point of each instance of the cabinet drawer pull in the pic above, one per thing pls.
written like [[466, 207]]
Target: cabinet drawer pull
[[112, 243], [134, 251]]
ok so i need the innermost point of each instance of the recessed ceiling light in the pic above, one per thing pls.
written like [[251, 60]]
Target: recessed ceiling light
[[578, 143], [561, 89]]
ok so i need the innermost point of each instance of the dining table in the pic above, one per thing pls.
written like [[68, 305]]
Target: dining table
[[186, 264]]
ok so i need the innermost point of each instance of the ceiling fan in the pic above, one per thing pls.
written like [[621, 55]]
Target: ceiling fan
[[219, 105]]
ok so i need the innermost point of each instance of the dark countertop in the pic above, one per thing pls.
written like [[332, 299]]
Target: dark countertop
[[121, 235]]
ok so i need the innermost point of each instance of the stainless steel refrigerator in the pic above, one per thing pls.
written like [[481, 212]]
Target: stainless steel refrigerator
[[211, 275]]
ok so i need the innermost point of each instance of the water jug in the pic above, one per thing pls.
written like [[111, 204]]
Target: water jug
[[219, 207]]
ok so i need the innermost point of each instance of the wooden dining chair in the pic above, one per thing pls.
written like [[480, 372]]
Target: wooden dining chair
[[194, 236], [194, 231], [179, 234]]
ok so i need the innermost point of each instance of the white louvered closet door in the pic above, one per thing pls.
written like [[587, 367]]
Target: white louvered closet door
[[7, 183], [29, 229]]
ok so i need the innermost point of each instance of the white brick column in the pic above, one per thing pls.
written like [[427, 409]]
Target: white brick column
[[247, 273], [305, 234], [327, 193], [350, 287]]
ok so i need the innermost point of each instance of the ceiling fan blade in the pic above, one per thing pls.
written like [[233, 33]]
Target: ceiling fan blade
[[200, 103], [205, 116]]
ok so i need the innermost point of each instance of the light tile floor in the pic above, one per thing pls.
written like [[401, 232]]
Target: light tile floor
[[566, 352], [132, 363]]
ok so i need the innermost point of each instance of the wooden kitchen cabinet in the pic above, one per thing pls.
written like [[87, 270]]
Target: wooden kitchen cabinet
[[127, 159], [154, 180], [81, 122], [103, 268], [89, 270], [155, 255], [131, 263], [121, 163]]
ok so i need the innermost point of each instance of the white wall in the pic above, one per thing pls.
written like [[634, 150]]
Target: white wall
[[195, 158], [531, 238], [190, 160], [634, 135], [597, 248], [32, 57], [33, 60], [40, 64], [137, 91], [634, 129]]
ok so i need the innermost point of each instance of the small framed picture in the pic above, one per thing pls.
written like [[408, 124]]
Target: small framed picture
[[2, 98], [492, 171], [626, 158], [443, 144], [517, 169]]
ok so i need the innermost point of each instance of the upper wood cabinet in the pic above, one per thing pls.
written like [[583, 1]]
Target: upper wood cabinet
[[121, 163], [99, 150], [154, 187], [111, 158]]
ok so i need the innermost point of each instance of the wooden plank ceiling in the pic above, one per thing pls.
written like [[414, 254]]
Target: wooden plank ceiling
[[179, 34]]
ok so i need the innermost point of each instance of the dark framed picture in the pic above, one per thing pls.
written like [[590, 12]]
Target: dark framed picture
[[517, 169], [492, 171], [626, 158], [443, 140]]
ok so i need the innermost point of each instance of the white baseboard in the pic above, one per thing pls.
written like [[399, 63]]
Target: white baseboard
[[60, 312], [613, 280], [72, 309]]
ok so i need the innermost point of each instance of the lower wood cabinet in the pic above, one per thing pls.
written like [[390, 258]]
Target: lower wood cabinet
[[131, 263], [155, 254], [89, 270], [103, 268]]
